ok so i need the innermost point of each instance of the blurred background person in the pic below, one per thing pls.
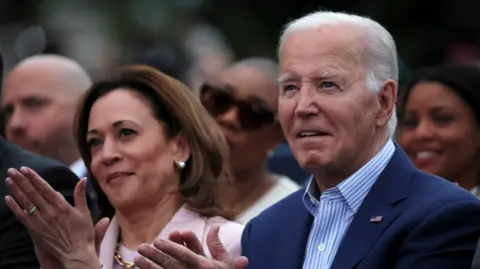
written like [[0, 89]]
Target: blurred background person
[[158, 165], [440, 123], [170, 58], [210, 53], [39, 99], [16, 247], [243, 101]]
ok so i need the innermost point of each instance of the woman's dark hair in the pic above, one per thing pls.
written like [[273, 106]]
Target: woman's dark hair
[[462, 80], [206, 174]]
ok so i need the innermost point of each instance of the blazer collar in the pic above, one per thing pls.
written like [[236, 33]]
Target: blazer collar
[[382, 202], [294, 227], [184, 219]]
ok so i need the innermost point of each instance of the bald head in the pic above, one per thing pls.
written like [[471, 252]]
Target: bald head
[[67, 74], [39, 100], [267, 66]]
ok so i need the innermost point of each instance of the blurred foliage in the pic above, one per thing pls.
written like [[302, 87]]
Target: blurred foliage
[[422, 28]]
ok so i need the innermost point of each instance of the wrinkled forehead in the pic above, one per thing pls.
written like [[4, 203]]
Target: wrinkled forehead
[[330, 49]]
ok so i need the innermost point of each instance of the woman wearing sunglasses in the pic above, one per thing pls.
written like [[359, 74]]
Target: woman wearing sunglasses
[[243, 101]]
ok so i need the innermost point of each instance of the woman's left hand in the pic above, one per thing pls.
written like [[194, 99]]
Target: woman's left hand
[[56, 227]]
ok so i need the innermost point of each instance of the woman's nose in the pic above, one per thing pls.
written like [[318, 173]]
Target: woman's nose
[[110, 153]]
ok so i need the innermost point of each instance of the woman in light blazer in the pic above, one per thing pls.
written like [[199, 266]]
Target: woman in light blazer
[[157, 161]]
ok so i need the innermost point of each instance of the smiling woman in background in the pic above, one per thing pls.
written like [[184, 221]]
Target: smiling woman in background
[[158, 163], [440, 124]]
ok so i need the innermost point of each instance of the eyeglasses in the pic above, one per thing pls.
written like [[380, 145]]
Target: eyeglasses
[[251, 115]]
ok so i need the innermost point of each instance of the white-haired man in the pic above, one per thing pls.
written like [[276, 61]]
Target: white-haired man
[[366, 206]]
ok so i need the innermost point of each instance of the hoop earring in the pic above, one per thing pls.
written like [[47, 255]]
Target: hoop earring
[[179, 165]]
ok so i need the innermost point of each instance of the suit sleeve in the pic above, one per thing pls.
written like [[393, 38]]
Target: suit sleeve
[[16, 248], [446, 239], [245, 239]]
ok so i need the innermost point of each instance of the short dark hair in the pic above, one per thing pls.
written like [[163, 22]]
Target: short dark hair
[[464, 81]]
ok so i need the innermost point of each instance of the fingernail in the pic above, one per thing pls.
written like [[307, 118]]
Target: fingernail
[[143, 248], [8, 181], [140, 261], [24, 170], [11, 172], [158, 243]]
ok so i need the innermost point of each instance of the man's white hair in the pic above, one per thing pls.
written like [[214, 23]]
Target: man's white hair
[[380, 47]]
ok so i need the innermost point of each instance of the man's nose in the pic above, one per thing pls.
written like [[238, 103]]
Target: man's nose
[[306, 105], [15, 122]]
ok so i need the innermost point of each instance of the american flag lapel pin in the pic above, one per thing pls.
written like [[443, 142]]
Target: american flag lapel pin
[[376, 219]]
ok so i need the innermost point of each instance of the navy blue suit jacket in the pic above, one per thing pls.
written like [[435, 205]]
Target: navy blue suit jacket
[[427, 223]]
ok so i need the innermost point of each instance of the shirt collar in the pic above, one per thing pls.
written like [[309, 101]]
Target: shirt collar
[[355, 188], [79, 168], [476, 191]]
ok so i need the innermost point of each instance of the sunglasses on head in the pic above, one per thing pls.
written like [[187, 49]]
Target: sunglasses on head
[[251, 115]]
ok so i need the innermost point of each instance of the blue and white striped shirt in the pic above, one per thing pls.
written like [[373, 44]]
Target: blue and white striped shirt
[[337, 207]]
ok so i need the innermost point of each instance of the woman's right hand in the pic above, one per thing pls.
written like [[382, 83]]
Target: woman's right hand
[[184, 250], [48, 261], [58, 230]]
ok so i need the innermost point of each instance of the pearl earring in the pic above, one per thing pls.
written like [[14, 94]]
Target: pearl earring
[[179, 165]]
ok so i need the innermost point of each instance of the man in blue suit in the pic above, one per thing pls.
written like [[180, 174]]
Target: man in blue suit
[[365, 206]]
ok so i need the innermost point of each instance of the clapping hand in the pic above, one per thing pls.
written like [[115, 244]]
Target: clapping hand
[[184, 250], [60, 232]]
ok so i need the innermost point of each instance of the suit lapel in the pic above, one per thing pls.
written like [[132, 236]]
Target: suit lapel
[[109, 242], [293, 230], [384, 202]]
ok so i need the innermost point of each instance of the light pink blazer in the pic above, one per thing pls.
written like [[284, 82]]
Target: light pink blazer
[[184, 220]]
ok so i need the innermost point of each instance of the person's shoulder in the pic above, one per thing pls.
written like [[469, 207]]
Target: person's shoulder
[[433, 197], [434, 189], [283, 208], [51, 170], [286, 183]]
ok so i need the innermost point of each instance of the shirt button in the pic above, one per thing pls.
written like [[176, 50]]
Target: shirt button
[[321, 247]]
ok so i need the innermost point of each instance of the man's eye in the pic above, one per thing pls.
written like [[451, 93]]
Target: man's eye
[[328, 85], [287, 88]]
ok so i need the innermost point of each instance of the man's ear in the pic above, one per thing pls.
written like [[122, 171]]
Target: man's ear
[[387, 99]]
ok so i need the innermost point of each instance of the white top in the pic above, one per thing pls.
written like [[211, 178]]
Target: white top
[[282, 188], [184, 220], [79, 168]]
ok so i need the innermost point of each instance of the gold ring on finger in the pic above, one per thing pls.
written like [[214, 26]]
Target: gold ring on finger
[[31, 211]]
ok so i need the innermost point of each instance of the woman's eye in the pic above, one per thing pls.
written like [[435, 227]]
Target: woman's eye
[[93, 142], [126, 132], [442, 120], [409, 123]]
